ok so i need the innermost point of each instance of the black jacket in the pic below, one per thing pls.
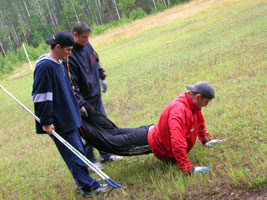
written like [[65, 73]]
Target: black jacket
[[85, 73]]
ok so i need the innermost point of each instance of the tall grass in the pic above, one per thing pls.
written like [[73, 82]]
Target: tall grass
[[223, 42]]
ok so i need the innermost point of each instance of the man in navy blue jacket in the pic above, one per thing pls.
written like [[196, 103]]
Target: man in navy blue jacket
[[84, 67], [57, 108]]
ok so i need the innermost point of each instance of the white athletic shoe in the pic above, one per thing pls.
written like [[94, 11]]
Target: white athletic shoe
[[103, 188], [115, 158], [112, 158], [98, 165]]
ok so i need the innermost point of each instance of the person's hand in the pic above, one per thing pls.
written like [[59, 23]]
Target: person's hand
[[198, 169], [213, 142], [49, 128], [104, 86], [83, 111]]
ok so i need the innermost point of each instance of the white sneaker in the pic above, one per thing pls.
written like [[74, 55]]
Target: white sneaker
[[111, 159], [103, 188], [115, 158], [98, 165]]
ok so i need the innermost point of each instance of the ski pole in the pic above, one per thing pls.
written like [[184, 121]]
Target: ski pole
[[99, 172]]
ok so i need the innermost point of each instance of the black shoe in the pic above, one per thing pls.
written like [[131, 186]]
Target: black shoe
[[86, 194], [98, 165]]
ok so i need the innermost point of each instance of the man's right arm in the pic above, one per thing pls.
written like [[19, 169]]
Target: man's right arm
[[179, 143], [42, 95]]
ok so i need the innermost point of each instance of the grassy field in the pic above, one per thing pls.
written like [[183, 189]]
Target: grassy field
[[148, 64]]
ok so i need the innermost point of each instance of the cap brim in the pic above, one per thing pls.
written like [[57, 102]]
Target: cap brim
[[190, 88], [50, 41]]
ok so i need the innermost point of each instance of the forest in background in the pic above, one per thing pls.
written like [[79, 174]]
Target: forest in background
[[32, 21]]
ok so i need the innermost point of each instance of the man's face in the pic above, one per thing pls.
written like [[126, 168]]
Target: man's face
[[203, 101], [200, 101], [64, 52], [82, 38]]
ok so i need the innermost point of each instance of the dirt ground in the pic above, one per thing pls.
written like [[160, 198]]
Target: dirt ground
[[243, 196], [233, 195]]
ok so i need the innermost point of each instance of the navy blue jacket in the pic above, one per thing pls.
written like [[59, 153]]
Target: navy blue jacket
[[85, 73], [54, 101]]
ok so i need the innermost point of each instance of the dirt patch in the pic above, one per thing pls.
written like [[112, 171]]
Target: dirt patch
[[233, 194], [239, 195]]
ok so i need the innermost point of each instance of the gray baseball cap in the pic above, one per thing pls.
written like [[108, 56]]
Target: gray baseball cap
[[204, 88]]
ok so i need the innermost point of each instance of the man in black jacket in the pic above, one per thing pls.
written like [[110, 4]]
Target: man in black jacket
[[84, 67]]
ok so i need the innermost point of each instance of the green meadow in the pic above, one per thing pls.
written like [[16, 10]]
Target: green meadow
[[224, 43]]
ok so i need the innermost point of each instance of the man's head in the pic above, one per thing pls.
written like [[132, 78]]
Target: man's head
[[201, 93], [61, 44], [81, 32]]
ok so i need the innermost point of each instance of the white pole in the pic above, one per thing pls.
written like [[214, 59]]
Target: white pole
[[27, 55], [100, 173]]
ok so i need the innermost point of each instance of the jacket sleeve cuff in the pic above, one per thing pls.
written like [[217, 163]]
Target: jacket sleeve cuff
[[46, 122], [188, 169], [103, 76], [204, 142], [192, 171]]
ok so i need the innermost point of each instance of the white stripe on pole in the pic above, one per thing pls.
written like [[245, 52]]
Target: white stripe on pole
[[27, 55]]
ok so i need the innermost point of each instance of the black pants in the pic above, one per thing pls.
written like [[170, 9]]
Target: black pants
[[99, 106], [104, 135]]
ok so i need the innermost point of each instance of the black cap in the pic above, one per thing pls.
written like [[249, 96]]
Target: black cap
[[63, 38], [204, 88]]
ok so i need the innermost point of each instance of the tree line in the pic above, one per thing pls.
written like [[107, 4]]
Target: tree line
[[32, 21]]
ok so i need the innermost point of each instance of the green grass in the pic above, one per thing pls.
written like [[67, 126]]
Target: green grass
[[225, 45]]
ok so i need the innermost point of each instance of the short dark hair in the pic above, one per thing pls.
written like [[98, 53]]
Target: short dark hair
[[54, 45], [195, 93], [81, 27]]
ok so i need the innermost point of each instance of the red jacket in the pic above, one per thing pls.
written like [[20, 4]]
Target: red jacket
[[176, 132]]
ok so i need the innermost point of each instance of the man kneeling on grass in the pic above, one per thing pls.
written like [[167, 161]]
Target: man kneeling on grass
[[179, 126]]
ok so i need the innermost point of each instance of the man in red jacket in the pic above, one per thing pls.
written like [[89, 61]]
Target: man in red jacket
[[179, 126]]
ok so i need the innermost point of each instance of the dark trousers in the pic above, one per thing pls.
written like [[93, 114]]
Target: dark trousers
[[99, 106], [77, 167]]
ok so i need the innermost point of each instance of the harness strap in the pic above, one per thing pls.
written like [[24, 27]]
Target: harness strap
[[68, 66]]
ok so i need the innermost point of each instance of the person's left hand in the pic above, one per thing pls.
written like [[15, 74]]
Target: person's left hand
[[49, 128], [104, 86], [213, 142], [200, 169]]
